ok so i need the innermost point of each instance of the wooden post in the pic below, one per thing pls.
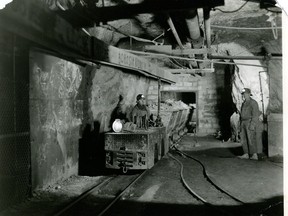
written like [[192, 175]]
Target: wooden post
[[159, 97]]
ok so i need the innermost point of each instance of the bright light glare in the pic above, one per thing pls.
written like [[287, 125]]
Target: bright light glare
[[3, 3]]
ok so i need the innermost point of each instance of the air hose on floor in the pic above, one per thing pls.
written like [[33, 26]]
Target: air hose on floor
[[261, 213], [193, 192], [207, 176], [185, 183]]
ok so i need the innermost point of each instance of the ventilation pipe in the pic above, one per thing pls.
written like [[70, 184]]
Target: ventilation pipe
[[207, 24], [192, 22], [172, 27], [191, 18]]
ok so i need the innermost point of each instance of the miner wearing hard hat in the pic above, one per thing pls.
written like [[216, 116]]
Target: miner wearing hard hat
[[140, 113], [249, 120]]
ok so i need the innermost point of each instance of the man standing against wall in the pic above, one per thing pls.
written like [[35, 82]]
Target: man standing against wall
[[249, 122]]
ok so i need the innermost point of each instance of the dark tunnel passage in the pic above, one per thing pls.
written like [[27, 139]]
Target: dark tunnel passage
[[226, 106]]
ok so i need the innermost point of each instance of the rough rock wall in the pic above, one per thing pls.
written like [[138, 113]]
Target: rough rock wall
[[275, 77], [247, 76], [276, 93], [275, 108], [71, 108], [108, 84], [56, 104], [105, 86]]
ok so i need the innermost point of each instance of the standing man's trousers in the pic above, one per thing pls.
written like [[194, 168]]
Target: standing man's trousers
[[248, 138]]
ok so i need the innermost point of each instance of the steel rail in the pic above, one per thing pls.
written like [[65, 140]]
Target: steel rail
[[84, 195], [120, 195]]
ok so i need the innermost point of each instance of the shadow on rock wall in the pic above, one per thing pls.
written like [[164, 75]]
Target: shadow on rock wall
[[121, 111], [91, 151], [225, 104], [91, 145]]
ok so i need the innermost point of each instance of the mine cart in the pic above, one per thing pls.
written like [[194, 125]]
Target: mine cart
[[136, 150]]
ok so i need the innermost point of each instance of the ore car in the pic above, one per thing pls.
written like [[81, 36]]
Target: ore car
[[137, 150]]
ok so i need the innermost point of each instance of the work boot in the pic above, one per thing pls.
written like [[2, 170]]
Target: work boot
[[244, 156], [254, 157]]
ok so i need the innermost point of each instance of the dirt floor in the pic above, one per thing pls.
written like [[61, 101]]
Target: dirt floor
[[258, 184]]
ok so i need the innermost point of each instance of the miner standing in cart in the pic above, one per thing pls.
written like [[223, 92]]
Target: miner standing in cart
[[140, 113]]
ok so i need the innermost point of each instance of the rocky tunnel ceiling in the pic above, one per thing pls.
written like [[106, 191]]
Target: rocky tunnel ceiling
[[200, 29], [160, 22]]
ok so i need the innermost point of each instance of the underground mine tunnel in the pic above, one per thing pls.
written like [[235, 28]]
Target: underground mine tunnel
[[141, 107]]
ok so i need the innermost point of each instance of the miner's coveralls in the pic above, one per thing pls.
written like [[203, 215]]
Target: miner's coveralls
[[249, 124], [140, 116]]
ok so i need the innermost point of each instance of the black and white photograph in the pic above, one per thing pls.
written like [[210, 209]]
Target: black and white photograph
[[143, 107]]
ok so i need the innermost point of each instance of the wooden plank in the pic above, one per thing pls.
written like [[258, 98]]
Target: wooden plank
[[248, 57], [121, 11], [29, 19], [167, 49], [118, 56], [191, 71], [191, 51]]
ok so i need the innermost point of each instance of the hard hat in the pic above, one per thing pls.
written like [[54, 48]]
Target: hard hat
[[140, 96], [246, 90]]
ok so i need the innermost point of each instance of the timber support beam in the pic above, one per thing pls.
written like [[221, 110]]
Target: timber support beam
[[122, 11], [34, 21]]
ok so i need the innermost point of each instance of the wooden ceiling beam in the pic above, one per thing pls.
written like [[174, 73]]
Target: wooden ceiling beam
[[167, 49], [43, 28], [124, 11], [191, 71]]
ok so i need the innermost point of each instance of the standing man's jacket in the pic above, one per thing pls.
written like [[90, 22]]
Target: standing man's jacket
[[250, 112]]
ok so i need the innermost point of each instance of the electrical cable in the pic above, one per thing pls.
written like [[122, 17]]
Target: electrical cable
[[133, 37], [176, 65], [208, 177], [270, 206], [185, 183], [175, 62], [192, 191], [209, 180], [163, 34], [191, 59], [233, 10]]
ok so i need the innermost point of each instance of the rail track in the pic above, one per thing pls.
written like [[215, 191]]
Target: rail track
[[101, 199], [77, 207]]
